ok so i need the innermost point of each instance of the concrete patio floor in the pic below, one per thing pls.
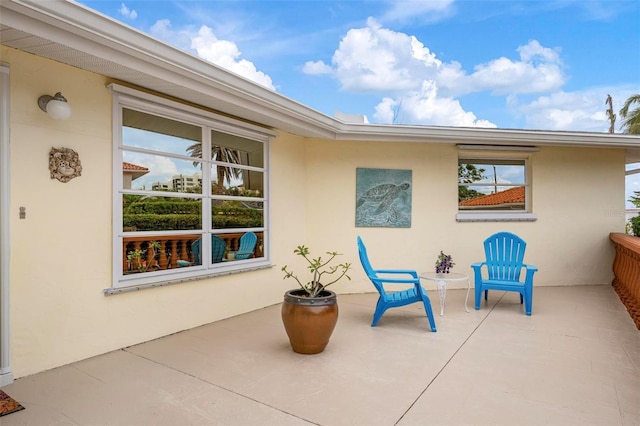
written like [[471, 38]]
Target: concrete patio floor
[[575, 361]]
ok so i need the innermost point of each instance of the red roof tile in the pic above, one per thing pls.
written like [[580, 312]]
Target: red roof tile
[[129, 166], [510, 196]]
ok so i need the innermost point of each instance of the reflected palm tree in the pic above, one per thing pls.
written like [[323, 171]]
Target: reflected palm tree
[[222, 154]]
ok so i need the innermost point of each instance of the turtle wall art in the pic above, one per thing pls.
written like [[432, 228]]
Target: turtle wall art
[[383, 198]]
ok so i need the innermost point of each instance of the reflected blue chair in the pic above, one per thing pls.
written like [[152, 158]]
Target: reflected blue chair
[[504, 253], [218, 246], [247, 246], [196, 248], [395, 299]]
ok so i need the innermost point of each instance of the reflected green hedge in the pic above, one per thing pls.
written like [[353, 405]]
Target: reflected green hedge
[[157, 222], [185, 215], [163, 207]]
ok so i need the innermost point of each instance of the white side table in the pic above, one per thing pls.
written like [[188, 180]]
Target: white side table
[[442, 280]]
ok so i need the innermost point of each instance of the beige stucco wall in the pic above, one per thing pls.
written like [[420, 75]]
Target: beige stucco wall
[[578, 196], [61, 252]]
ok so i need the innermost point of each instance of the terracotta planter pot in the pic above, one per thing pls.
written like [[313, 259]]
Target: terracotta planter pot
[[309, 321]]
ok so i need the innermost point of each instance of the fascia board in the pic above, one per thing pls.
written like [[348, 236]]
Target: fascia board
[[437, 134]]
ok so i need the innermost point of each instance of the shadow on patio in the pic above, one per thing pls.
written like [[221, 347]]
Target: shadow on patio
[[575, 361]]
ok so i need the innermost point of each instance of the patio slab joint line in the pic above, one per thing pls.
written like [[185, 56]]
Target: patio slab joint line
[[216, 385], [450, 359]]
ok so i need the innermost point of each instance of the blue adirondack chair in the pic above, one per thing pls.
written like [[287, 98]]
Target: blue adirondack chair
[[504, 262], [247, 245], [394, 299]]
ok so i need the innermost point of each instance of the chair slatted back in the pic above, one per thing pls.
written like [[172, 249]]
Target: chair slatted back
[[196, 249], [504, 253], [366, 265], [218, 245], [247, 245]]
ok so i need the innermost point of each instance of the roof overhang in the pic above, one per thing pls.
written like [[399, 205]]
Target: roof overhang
[[70, 33]]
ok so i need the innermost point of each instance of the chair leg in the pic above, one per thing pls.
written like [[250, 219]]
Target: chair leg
[[486, 294], [478, 296], [527, 305], [380, 308], [528, 299], [427, 307]]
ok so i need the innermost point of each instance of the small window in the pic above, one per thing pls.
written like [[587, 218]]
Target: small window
[[493, 189]]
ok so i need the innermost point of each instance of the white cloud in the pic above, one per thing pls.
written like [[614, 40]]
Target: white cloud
[[426, 107], [539, 70], [378, 59], [163, 30], [579, 111], [316, 68], [374, 59], [161, 169], [206, 45], [126, 12], [226, 54]]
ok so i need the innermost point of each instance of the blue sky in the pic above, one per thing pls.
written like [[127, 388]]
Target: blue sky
[[545, 65]]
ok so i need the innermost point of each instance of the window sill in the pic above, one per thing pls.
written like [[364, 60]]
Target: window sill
[[162, 283], [496, 217]]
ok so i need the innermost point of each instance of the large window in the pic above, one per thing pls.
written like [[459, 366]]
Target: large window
[[494, 187], [191, 195]]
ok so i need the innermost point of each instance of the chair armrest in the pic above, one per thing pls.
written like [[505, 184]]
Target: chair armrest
[[530, 271], [477, 265], [398, 280], [412, 279], [411, 272]]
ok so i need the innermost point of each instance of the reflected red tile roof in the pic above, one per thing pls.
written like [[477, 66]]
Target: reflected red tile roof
[[510, 196], [129, 166]]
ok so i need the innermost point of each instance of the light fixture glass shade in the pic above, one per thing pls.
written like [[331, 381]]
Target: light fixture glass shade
[[58, 110], [56, 106]]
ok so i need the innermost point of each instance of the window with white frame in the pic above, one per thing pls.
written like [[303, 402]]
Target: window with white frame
[[494, 186], [191, 192]]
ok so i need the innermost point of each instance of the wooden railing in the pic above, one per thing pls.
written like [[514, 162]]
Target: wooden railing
[[175, 248], [626, 269]]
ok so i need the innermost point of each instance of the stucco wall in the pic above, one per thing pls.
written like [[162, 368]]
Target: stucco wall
[[61, 252], [578, 195]]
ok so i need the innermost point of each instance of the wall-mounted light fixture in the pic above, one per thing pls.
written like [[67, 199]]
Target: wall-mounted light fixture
[[56, 106]]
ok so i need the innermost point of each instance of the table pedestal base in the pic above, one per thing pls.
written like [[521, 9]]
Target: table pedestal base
[[442, 292], [442, 280]]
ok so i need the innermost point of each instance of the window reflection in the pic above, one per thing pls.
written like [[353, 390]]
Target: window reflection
[[148, 172], [145, 213], [236, 182], [237, 214], [492, 184]]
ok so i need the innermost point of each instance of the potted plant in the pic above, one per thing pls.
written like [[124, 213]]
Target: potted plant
[[444, 263], [142, 260], [310, 312]]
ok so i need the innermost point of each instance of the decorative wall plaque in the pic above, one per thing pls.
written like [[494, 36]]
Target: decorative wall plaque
[[64, 164], [383, 198]]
